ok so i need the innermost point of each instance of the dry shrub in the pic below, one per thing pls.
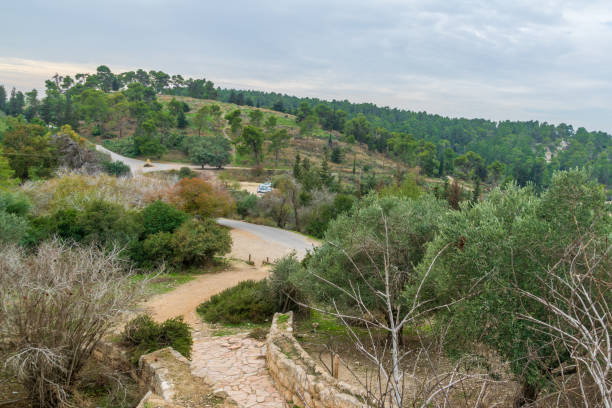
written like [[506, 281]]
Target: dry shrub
[[55, 305], [74, 190]]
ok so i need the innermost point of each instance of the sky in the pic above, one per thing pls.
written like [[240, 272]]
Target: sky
[[547, 60]]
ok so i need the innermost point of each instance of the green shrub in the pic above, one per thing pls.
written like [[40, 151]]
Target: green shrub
[[282, 290], [186, 172], [143, 335], [196, 242], [247, 302], [116, 168], [245, 204], [156, 249], [161, 217], [13, 228], [14, 203]]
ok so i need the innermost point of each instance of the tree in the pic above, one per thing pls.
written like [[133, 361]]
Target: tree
[[251, 140], [119, 111], [297, 167], [32, 105], [470, 165], [304, 111], [256, 117], [29, 150], [2, 99], [336, 155], [307, 125], [49, 327], [15, 103], [200, 119], [502, 247], [106, 79], [291, 190], [270, 123], [278, 141], [214, 151], [358, 129], [6, 172], [235, 121], [93, 107]]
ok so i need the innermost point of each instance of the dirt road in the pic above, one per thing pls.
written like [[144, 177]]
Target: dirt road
[[272, 244]]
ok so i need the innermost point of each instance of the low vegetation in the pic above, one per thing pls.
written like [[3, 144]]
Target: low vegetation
[[143, 335]]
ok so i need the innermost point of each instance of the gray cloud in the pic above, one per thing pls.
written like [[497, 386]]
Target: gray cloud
[[495, 59]]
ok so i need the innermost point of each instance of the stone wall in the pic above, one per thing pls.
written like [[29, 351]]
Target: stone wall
[[299, 378]]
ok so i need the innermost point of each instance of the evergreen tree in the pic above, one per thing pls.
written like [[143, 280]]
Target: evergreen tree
[[2, 99], [297, 168]]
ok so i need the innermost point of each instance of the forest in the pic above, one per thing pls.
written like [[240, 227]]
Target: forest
[[492, 152]]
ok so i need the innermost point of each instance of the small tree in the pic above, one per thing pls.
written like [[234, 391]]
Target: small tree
[[56, 305], [256, 116], [252, 141], [279, 140], [200, 119]]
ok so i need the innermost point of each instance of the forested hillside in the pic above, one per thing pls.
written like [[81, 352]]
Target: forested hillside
[[125, 108]]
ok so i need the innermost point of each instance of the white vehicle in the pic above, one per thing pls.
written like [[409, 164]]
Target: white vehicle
[[264, 188]]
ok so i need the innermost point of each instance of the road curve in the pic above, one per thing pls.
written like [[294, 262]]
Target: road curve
[[276, 236]]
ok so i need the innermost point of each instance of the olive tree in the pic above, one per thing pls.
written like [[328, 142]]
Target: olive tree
[[512, 238]]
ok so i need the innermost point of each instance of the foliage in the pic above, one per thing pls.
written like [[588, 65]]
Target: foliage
[[100, 222], [143, 335], [246, 302], [198, 197], [214, 151], [161, 217], [505, 243], [251, 141], [196, 242], [356, 244], [116, 168], [14, 207], [284, 292], [246, 203], [29, 150]]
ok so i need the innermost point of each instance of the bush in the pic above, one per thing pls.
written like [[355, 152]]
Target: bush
[[14, 203], [186, 172], [143, 335], [57, 304], [247, 302], [116, 168], [246, 203], [161, 217], [198, 197], [156, 249], [196, 242], [284, 292]]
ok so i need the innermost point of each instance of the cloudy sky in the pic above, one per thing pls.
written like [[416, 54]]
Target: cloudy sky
[[549, 60]]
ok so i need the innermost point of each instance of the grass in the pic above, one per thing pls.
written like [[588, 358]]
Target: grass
[[221, 330]]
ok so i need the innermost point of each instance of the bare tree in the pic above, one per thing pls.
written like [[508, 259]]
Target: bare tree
[[55, 306], [578, 296]]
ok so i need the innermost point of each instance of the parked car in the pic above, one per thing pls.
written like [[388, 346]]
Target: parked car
[[264, 188]]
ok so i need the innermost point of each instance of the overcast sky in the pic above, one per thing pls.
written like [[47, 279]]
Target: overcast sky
[[549, 60]]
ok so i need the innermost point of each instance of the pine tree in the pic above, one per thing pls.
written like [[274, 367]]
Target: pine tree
[[476, 192], [354, 164], [2, 99], [297, 169]]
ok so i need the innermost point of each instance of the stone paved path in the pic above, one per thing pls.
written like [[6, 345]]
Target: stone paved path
[[237, 365]]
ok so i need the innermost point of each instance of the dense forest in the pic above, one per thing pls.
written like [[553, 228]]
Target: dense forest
[[470, 149]]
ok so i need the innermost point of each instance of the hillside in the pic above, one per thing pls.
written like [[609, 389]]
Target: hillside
[[314, 146]]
